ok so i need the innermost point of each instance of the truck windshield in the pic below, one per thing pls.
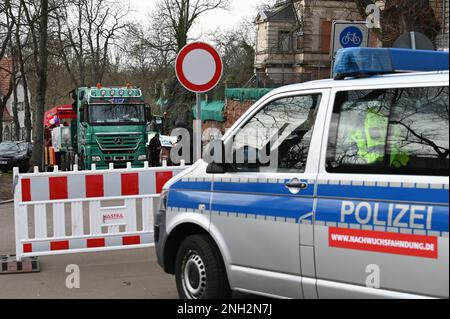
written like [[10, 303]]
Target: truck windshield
[[114, 114]]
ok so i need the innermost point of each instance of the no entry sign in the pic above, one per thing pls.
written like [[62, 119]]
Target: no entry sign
[[199, 67]]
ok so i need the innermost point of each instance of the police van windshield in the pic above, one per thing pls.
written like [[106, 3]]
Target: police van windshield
[[117, 114]]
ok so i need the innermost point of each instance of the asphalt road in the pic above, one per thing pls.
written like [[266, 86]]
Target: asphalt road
[[127, 274]]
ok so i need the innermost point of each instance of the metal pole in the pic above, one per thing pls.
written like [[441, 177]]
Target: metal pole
[[413, 40], [186, 19], [198, 128]]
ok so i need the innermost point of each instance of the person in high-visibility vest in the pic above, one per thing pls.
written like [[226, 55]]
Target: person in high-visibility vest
[[371, 141]]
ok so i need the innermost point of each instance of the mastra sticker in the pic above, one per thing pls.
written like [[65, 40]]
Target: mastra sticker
[[113, 218], [390, 243]]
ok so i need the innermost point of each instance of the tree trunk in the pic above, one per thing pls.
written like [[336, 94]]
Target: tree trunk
[[14, 83], [16, 129], [27, 108], [38, 154], [27, 117]]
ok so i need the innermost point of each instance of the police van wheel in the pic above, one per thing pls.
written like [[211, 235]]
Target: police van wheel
[[200, 273]]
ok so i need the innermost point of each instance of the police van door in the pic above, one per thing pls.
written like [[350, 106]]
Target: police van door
[[267, 192], [381, 224]]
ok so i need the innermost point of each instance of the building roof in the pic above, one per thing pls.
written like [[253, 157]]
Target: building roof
[[246, 94], [280, 13]]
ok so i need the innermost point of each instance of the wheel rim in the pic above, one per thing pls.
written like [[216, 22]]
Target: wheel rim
[[193, 275]]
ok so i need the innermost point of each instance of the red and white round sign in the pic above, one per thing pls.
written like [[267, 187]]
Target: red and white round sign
[[199, 67]]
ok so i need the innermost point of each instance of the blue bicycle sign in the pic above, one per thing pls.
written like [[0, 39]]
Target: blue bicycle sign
[[351, 37]]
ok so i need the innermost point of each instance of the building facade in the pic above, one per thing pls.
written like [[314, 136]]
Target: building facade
[[294, 37], [6, 68], [441, 9]]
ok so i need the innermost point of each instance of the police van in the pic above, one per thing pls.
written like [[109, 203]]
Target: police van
[[356, 206]]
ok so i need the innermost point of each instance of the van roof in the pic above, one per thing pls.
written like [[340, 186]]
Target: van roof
[[397, 78]]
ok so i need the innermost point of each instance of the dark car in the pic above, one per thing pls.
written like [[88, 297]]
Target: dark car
[[15, 154]]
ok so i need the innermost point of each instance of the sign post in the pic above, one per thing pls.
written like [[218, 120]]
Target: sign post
[[199, 69], [198, 127]]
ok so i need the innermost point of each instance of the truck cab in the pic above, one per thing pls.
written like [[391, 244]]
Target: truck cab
[[353, 204], [111, 127]]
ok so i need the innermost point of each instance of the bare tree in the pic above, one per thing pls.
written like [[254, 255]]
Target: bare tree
[[237, 50], [37, 18], [400, 16], [87, 32], [21, 64], [172, 21], [175, 18]]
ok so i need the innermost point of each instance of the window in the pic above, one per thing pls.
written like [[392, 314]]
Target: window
[[284, 41], [300, 41], [277, 138], [393, 131]]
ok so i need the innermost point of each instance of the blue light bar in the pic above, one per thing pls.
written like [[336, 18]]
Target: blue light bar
[[358, 62]]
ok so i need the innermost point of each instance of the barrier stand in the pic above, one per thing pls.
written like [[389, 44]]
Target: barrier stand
[[10, 265]]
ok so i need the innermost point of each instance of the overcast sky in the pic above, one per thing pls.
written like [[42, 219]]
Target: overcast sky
[[211, 21]]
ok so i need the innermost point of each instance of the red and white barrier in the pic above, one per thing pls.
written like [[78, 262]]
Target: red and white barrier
[[85, 211]]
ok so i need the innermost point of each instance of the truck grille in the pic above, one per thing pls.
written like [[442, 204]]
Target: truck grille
[[118, 142]]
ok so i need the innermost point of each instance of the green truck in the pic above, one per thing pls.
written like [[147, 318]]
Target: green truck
[[108, 125]]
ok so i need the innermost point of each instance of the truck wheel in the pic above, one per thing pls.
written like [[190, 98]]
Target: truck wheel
[[199, 271], [70, 161]]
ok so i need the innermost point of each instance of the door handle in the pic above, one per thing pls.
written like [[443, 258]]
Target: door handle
[[298, 185]]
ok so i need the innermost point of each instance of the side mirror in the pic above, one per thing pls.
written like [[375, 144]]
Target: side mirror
[[148, 113], [215, 168], [83, 113], [215, 153]]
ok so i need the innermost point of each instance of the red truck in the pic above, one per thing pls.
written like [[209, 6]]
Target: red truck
[[57, 132]]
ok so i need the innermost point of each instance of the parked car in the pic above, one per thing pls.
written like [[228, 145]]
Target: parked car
[[15, 154]]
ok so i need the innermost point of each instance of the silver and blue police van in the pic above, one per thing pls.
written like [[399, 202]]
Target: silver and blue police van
[[356, 205]]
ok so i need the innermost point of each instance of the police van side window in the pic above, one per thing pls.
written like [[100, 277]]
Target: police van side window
[[278, 137], [393, 131]]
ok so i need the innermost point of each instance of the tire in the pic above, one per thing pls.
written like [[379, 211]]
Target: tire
[[63, 162], [199, 270]]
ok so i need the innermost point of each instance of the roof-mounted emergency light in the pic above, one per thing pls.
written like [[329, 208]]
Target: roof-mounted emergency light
[[360, 62]]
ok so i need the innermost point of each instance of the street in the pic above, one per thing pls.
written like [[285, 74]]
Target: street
[[129, 274]]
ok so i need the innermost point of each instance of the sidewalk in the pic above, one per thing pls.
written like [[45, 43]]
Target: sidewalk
[[5, 186]]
